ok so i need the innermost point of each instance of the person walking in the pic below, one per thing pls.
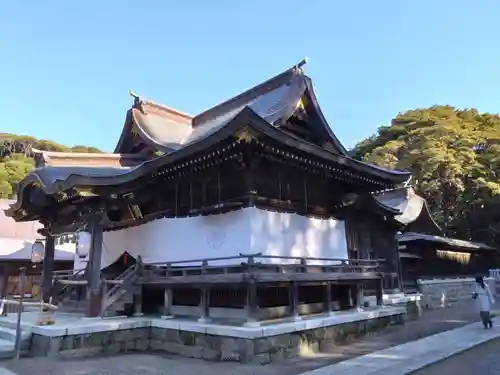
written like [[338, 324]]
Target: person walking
[[484, 300]]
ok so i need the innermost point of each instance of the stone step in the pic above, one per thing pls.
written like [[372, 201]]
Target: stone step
[[6, 349], [9, 334], [11, 324]]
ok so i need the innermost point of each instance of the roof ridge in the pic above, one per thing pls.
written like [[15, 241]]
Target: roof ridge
[[267, 85], [165, 108], [139, 103]]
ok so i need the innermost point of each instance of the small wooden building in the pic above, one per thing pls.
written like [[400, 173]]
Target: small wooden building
[[424, 252], [16, 240], [429, 256]]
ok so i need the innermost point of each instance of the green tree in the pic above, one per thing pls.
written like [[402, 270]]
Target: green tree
[[454, 157], [5, 186], [16, 158]]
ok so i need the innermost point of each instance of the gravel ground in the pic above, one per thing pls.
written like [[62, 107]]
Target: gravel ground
[[430, 323]]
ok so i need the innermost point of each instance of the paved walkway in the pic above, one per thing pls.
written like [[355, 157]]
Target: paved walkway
[[142, 364], [483, 359], [407, 358]]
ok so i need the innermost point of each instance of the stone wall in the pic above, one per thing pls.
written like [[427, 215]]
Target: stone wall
[[437, 293], [207, 346]]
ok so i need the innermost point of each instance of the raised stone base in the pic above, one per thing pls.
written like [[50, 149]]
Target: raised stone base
[[410, 302], [439, 293], [264, 344]]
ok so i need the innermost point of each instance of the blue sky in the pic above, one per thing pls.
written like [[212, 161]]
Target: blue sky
[[66, 66]]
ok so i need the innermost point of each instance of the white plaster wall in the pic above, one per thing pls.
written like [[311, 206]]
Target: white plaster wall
[[246, 231], [283, 234]]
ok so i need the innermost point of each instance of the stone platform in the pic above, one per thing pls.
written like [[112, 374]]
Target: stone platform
[[72, 335]]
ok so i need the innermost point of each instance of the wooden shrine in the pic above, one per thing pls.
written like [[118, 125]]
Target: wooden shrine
[[269, 149]]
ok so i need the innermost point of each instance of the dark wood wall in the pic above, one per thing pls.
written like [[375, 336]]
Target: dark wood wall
[[430, 265], [372, 238]]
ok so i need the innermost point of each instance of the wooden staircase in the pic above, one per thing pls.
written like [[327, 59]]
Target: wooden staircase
[[65, 286], [118, 294]]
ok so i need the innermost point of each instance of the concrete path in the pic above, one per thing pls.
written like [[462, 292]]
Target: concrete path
[[4, 371], [483, 359], [407, 358]]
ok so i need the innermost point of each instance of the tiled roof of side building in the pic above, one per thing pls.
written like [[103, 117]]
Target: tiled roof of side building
[[18, 231]]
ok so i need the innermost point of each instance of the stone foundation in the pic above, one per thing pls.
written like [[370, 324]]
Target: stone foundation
[[218, 343], [438, 293]]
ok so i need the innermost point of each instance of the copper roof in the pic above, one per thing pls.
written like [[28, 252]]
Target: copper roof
[[70, 159], [413, 207]]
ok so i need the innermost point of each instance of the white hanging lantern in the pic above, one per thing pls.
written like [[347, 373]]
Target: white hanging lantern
[[37, 251], [83, 244]]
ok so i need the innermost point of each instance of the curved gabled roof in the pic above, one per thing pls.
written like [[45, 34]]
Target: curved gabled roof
[[52, 179], [165, 129]]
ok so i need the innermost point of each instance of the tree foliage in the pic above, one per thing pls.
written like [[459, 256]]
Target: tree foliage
[[454, 157], [16, 158]]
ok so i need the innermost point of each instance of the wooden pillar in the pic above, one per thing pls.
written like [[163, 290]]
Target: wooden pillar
[[205, 305], [360, 296], [356, 295], [328, 297], [138, 300], [399, 266], [294, 300], [93, 302], [380, 291], [252, 304], [5, 271], [167, 304], [48, 268]]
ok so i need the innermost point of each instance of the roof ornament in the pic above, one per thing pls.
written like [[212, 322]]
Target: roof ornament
[[408, 181], [298, 67], [136, 97], [39, 157]]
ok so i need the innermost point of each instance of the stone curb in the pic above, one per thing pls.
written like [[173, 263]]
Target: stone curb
[[4, 371], [412, 356]]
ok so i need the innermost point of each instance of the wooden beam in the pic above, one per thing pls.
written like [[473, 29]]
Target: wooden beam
[[270, 277]]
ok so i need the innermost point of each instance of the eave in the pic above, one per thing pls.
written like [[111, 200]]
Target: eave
[[450, 242]]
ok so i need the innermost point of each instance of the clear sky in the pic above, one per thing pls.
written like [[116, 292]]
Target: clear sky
[[66, 66]]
